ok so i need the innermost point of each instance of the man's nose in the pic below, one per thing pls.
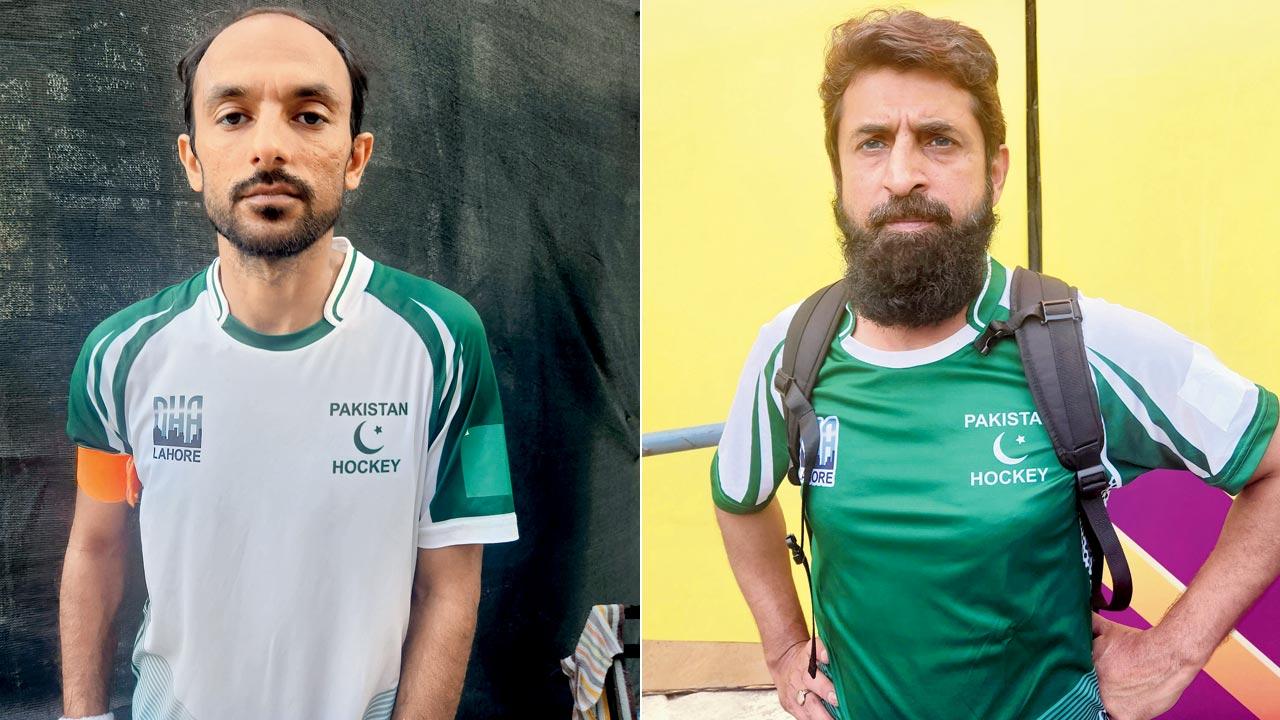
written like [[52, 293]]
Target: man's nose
[[269, 145], [905, 173]]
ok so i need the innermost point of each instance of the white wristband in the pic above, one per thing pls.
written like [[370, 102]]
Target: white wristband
[[104, 716]]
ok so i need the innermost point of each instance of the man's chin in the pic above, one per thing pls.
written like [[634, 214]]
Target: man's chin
[[271, 246], [273, 240]]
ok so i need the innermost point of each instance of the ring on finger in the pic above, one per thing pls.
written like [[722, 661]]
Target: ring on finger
[[801, 695]]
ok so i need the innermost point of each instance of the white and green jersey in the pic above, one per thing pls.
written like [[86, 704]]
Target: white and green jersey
[[947, 553], [288, 482]]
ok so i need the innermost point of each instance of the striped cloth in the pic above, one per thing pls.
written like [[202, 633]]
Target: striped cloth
[[588, 666]]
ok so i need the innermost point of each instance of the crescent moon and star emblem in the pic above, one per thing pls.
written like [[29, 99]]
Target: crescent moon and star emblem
[[999, 453], [377, 430]]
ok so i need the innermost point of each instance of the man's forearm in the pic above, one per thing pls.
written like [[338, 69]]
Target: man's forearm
[[436, 650], [761, 564], [1244, 562], [92, 584]]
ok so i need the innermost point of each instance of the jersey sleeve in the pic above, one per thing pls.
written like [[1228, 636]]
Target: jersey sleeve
[[89, 404], [1168, 402], [468, 497], [752, 457], [104, 470]]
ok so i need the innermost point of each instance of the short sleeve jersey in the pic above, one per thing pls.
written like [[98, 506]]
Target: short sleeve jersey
[[288, 481], [947, 552]]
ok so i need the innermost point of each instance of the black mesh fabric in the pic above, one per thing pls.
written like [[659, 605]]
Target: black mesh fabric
[[506, 167]]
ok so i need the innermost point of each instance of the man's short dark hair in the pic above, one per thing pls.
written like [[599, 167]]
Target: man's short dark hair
[[355, 69]]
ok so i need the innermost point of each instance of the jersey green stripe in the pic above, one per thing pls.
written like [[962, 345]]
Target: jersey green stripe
[[276, 343], [846, 324], [397, 291], [446, 401], [780, 457], [95, 425], [217, 293], [351, 268], [972, 311], [1181, 444], [753, 474], [179, 298]]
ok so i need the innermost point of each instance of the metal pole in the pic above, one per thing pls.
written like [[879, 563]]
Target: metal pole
[[680, 439], [1034, 222]]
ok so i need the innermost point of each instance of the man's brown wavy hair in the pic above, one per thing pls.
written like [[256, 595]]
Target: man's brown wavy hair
[[908, 40]]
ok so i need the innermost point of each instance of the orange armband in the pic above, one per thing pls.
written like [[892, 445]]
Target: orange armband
[[107, 477]]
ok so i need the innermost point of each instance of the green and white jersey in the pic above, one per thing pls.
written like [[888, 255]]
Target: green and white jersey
[[946, 546], [288, 482]]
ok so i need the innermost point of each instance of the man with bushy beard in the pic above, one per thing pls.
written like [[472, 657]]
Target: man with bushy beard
[[948, 575], [315, 439]]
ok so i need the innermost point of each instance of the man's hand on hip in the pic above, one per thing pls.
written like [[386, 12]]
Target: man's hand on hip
[[1139, 675], [798, 692]]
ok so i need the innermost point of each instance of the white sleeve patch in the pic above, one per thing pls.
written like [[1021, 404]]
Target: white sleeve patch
[[1214, 391], [1205, 403]]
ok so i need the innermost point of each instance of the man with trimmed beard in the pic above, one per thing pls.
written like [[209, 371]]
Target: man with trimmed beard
[[948, 576], [314, 439]]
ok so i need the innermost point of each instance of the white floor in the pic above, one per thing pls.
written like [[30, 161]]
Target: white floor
[[720, 705]]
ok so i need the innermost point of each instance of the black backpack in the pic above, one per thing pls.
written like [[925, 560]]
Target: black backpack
[[1044, 320]]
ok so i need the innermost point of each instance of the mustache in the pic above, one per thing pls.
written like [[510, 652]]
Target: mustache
[[915, 206], [271, 177]]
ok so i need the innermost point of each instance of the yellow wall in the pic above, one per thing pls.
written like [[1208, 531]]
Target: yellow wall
[[1160, 160], [1160, 137]]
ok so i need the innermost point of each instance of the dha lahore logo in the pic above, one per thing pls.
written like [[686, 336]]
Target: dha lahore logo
[[178, 431], [824, 470]]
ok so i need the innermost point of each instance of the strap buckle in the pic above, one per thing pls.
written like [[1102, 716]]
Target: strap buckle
[[1093, 481], [797, 553], [1051, 310], [783, 382]]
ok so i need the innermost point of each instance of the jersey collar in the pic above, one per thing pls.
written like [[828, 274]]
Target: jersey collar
[[347, 288], [991, 303]]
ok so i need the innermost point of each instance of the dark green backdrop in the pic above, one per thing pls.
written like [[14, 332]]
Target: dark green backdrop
[[506, 167]]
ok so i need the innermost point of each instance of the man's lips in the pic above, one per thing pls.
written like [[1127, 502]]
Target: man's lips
[[908, 224], [270, 193]]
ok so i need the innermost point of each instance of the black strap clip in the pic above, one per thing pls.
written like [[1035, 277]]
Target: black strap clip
[[1093, 481], [994, 332], [797, 552]]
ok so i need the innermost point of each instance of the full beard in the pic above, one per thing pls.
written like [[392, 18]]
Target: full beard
[[285, 239], [915, 279]]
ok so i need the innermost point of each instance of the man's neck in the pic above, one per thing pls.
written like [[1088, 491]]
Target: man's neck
[[279, 296], [895, 338]]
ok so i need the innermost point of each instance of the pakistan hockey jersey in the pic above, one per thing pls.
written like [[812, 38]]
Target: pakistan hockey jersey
[[947, 554], [288, 481]]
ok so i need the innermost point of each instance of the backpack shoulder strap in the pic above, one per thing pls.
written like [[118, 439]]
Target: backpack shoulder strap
[[810, 333], [1045, 319]]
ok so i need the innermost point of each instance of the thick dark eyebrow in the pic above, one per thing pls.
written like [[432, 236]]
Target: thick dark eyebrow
[[937, 127], [872, 129], [317, 91], [929, 127], [224, 92]]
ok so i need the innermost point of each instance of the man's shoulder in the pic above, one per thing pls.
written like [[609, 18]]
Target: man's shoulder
[[168, 301], [418, 299], [1108, 325], [774, 331]]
